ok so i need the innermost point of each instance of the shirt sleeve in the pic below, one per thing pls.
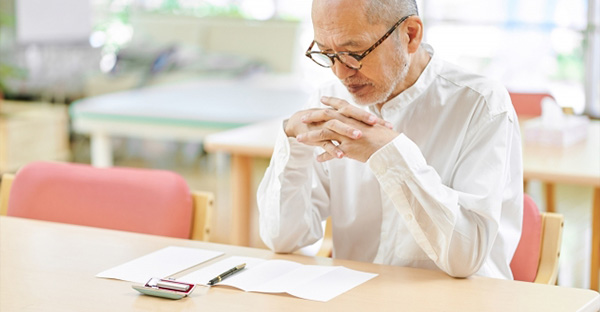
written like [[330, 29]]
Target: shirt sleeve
[[455, 222], [292, 197]]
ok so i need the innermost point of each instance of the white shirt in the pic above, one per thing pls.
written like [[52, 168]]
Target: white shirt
[[447, 193]]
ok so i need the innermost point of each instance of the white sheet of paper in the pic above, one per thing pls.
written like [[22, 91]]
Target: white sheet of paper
[[293, 279], [312, 282], [331, 284], [261, 274], [161, 263]]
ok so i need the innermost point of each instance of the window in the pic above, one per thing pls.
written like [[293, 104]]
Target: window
[[528, 45]]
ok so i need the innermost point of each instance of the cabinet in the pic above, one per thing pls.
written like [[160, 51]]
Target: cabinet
[[32, 131]]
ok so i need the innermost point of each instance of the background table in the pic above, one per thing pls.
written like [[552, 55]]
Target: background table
[[47, 266], [185, 111], [243, 144]]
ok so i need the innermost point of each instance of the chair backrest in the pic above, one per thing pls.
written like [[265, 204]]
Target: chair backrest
[[536, 257], [527, 256], [528, 104], [203, 206], [5, 186], [139, 200]]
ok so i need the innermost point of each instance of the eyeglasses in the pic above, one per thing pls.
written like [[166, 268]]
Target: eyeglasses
[[351, 60]]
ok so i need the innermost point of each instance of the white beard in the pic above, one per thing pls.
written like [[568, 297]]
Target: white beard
[[394, 74]]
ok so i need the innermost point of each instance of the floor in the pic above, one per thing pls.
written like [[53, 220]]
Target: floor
[[210, 173]]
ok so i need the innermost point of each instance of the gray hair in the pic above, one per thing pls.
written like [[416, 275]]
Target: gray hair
[[388, 12]]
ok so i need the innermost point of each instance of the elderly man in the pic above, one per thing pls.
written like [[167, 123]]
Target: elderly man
[[417, 162]]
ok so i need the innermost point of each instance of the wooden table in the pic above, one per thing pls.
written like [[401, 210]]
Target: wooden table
[[578, 164], [47, 266], [574, 164]]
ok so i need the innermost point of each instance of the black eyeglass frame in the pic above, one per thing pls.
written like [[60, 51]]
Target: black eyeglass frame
[[357, 57]]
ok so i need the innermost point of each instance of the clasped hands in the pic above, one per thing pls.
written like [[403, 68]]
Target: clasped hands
[[342, 130]]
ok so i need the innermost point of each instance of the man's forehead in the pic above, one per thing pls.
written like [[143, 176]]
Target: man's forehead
[[343, 21], [345, 34], [342, 35]]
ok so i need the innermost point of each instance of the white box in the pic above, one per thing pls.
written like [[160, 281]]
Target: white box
[[570, 130]]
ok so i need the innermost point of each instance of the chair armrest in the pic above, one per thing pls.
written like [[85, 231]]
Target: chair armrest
[[7, 180]]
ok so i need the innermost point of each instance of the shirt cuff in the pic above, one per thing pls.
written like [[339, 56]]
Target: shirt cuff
[[295, 154], [400, 156]]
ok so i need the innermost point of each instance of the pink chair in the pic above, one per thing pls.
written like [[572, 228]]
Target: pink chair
[[138, 200], [528, 104], [536, 257]]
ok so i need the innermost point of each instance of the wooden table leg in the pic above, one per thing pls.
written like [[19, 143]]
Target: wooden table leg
[[241, 188], [595, 261], [550, 202]]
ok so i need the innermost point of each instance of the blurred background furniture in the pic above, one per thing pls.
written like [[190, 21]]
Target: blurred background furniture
[[536, 257], [98, 50], [168, 48], [270, 42], [139, 200], [244, 144], [185, 111], [528, 104], [576, 164], [32, 131]]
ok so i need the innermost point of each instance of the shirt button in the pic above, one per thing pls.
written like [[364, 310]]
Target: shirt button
[[408, 217]]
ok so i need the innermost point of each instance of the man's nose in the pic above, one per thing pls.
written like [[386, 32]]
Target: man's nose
[[342, 71]]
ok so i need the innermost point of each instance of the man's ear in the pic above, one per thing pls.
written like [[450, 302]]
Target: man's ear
[[413, 30]]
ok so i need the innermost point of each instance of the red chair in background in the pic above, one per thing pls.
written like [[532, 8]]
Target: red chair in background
[[138, 200], [528, 104]]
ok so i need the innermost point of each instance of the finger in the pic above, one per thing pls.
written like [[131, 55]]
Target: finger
[[344, 108], [320, 115], [343, 129], [330, 146], [323, 157], [315, 137], [332, 150]]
